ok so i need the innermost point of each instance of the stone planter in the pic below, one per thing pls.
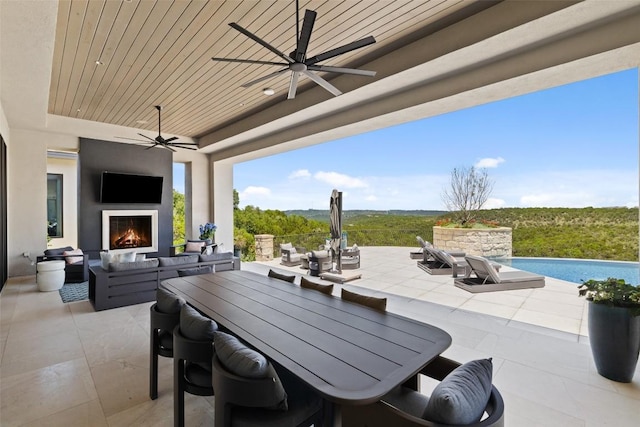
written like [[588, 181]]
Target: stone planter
[[614, 336], [487, 242]]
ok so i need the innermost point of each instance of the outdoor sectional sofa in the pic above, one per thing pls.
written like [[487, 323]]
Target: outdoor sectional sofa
[[131, 283]]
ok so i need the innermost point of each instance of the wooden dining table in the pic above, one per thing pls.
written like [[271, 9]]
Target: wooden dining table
[[350, 354]]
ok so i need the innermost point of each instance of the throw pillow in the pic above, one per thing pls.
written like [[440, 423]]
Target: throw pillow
[[125, 257], [373, 302], [280, 276], [106, 258], [141, 257], [168, 302], [245, 362], [195, 326], [462, 396], [194, 247], [73, 259], [325, 289]]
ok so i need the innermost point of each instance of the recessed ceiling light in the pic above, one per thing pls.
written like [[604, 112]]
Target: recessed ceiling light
[[141, 122], [98, 62], [268, 91], [78, 110]]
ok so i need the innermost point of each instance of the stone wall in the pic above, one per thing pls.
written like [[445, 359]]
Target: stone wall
[[264, 247], [487, 242]]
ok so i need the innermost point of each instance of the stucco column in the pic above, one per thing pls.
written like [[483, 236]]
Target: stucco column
[[222, 199]]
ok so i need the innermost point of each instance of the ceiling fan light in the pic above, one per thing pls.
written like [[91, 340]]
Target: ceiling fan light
[[268, 91]]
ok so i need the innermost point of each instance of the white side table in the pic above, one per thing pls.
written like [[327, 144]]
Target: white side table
[[50, 275]]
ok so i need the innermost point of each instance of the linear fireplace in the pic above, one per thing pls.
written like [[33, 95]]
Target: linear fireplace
[[130, 230]]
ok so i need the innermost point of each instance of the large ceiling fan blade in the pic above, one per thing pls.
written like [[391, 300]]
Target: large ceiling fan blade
[[173, 138], [132, 139], [293, 85], [342, 70], [340, 50], [322, 82], [185, 147], [305, 35], [148, 148], [185, 143], [263, 78], [148, 137], [249, 61], [261, 42]]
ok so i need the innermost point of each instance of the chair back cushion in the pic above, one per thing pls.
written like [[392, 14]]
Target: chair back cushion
[[483, 268], [205, 269], [168, 302], [245, 362], [194, 247], [280, 276], [325, 289], [195, 326], [373, 302], [462, 396], [57, 252], [178, 260]]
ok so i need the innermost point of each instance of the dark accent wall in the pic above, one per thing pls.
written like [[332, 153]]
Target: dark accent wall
[[4, 248], [97, 156]]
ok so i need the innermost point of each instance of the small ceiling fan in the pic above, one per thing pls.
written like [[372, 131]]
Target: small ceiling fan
[[159, 141], [297, 62]]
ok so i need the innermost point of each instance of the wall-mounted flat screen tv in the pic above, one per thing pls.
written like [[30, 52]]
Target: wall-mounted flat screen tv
[[130, 188]]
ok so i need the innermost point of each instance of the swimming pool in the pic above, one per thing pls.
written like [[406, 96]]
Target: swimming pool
[[577, 270]]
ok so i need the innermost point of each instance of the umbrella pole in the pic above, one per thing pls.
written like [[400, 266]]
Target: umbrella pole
[[339, 266]]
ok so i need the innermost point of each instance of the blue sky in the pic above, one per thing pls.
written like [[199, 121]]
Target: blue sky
[[570, 146]]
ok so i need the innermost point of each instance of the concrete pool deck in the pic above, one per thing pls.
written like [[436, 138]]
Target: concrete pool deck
[[388, 271]]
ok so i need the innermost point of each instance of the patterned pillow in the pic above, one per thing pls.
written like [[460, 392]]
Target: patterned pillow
[[462, 396], [106, 258]]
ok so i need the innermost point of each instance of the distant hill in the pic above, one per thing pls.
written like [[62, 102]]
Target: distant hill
[[323, 214]]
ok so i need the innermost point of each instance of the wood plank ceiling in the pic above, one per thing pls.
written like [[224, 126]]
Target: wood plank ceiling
[[115, 59]]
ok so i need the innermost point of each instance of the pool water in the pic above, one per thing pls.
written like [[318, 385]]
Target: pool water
[[577, 270]]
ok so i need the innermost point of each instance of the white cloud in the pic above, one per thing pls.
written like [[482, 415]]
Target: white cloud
[[493, 203], [371, 198], [255, 191], [300, 173], [489, 162], [339, 180]]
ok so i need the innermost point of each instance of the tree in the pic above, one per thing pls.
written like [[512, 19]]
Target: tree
[[236, 199], [468, 192], [178, 217]]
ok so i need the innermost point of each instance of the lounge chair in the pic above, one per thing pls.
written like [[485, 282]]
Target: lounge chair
[[488, 279], [436, 261], [418, 254]]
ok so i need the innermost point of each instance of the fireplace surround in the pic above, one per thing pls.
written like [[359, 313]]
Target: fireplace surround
[[130, 231]]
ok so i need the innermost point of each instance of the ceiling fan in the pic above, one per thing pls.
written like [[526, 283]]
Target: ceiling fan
[[297, 62], [159, 141]]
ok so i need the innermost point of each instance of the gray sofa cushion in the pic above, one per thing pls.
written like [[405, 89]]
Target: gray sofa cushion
[[195, 326], [462, 396], [216, 256], [168, 302], [178, 260], [325, 289], [136, 265], [195, 271]]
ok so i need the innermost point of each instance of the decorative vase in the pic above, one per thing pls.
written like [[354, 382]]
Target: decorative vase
[[614, 335]]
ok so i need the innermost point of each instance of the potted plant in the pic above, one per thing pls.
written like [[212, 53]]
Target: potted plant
[[614, 326], [207, 231], [240, 241]]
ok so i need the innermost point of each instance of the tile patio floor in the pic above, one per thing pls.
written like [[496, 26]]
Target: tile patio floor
[[66, 365]]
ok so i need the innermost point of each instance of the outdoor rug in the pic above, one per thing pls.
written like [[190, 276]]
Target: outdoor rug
[[71, 292]]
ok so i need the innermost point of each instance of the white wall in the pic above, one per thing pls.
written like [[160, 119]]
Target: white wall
[[198, 197], [223, 202]]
